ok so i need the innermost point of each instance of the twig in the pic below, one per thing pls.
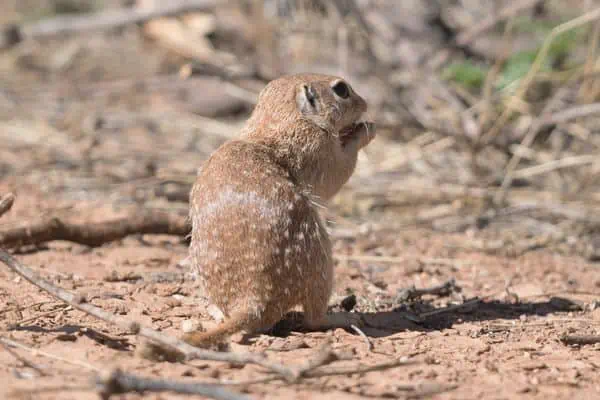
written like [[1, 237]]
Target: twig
[[7, 346], [448, 309], [185, 350], [580, 340], [334, 371], [586, 18], [63, 307], [12, 343], [109, 19], [351, 370], [137, 222], [6, 203], [370, 258], [46, 390], [325, 355], [568, 114], [364, 336], [119, 382], [397, 260], [550, 166], [39, 303], [444, 289]]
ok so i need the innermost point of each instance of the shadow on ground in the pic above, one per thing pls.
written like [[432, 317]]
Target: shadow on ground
[[385, 323]]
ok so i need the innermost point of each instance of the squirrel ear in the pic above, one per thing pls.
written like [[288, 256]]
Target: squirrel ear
[[306, 99]]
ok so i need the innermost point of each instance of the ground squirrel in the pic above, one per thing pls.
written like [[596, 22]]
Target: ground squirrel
[[257, 242]]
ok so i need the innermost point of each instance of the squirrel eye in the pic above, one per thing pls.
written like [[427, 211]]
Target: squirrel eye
[[341, 89]]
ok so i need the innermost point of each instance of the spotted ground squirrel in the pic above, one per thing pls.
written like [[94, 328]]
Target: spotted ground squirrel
[[258, 242]]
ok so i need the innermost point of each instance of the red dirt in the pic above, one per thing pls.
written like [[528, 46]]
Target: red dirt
[[507, 346]]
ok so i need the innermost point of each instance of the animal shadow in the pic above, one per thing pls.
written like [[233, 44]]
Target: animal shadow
[[429, 318]]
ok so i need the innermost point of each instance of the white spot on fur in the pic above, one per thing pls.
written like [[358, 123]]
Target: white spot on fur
[[229, 197]]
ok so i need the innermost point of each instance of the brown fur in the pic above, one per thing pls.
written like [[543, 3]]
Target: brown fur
[[257, 240]]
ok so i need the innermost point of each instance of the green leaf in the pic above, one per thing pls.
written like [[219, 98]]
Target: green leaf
[[563, 43], [465, 73]]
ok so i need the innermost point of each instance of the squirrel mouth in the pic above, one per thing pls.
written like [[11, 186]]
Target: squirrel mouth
[[357, 130]]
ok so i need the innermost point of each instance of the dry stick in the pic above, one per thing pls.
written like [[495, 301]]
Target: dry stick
[[444, 289], [364, 336], [333, 371], [12, 343], [64, 307], [325, 355], [580, 340], [118, 382], [189, 352], [109, 19], [351, 370], [449, 308], [18, 308], [574, 112], [137, 222], [550, 166], [6, 203], [398, 260], [7, 346]]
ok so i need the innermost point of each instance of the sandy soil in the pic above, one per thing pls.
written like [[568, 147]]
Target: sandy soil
[[505, 346]]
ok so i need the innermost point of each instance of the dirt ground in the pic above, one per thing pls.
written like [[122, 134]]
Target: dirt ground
[[94, 124], [508, 345]]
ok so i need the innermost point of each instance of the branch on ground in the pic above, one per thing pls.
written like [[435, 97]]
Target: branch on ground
[[580, 340], [445, 289], [119, 382], [141, 221]]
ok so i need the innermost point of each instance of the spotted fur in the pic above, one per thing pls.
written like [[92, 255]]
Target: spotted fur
[[258, 243]]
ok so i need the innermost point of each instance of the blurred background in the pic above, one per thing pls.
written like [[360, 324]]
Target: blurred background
[[487, 110]]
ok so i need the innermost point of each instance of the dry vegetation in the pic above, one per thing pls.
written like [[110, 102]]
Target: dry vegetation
[[482, 190]]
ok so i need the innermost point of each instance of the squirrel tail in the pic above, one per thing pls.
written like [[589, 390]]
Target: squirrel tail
[[244, 320]]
